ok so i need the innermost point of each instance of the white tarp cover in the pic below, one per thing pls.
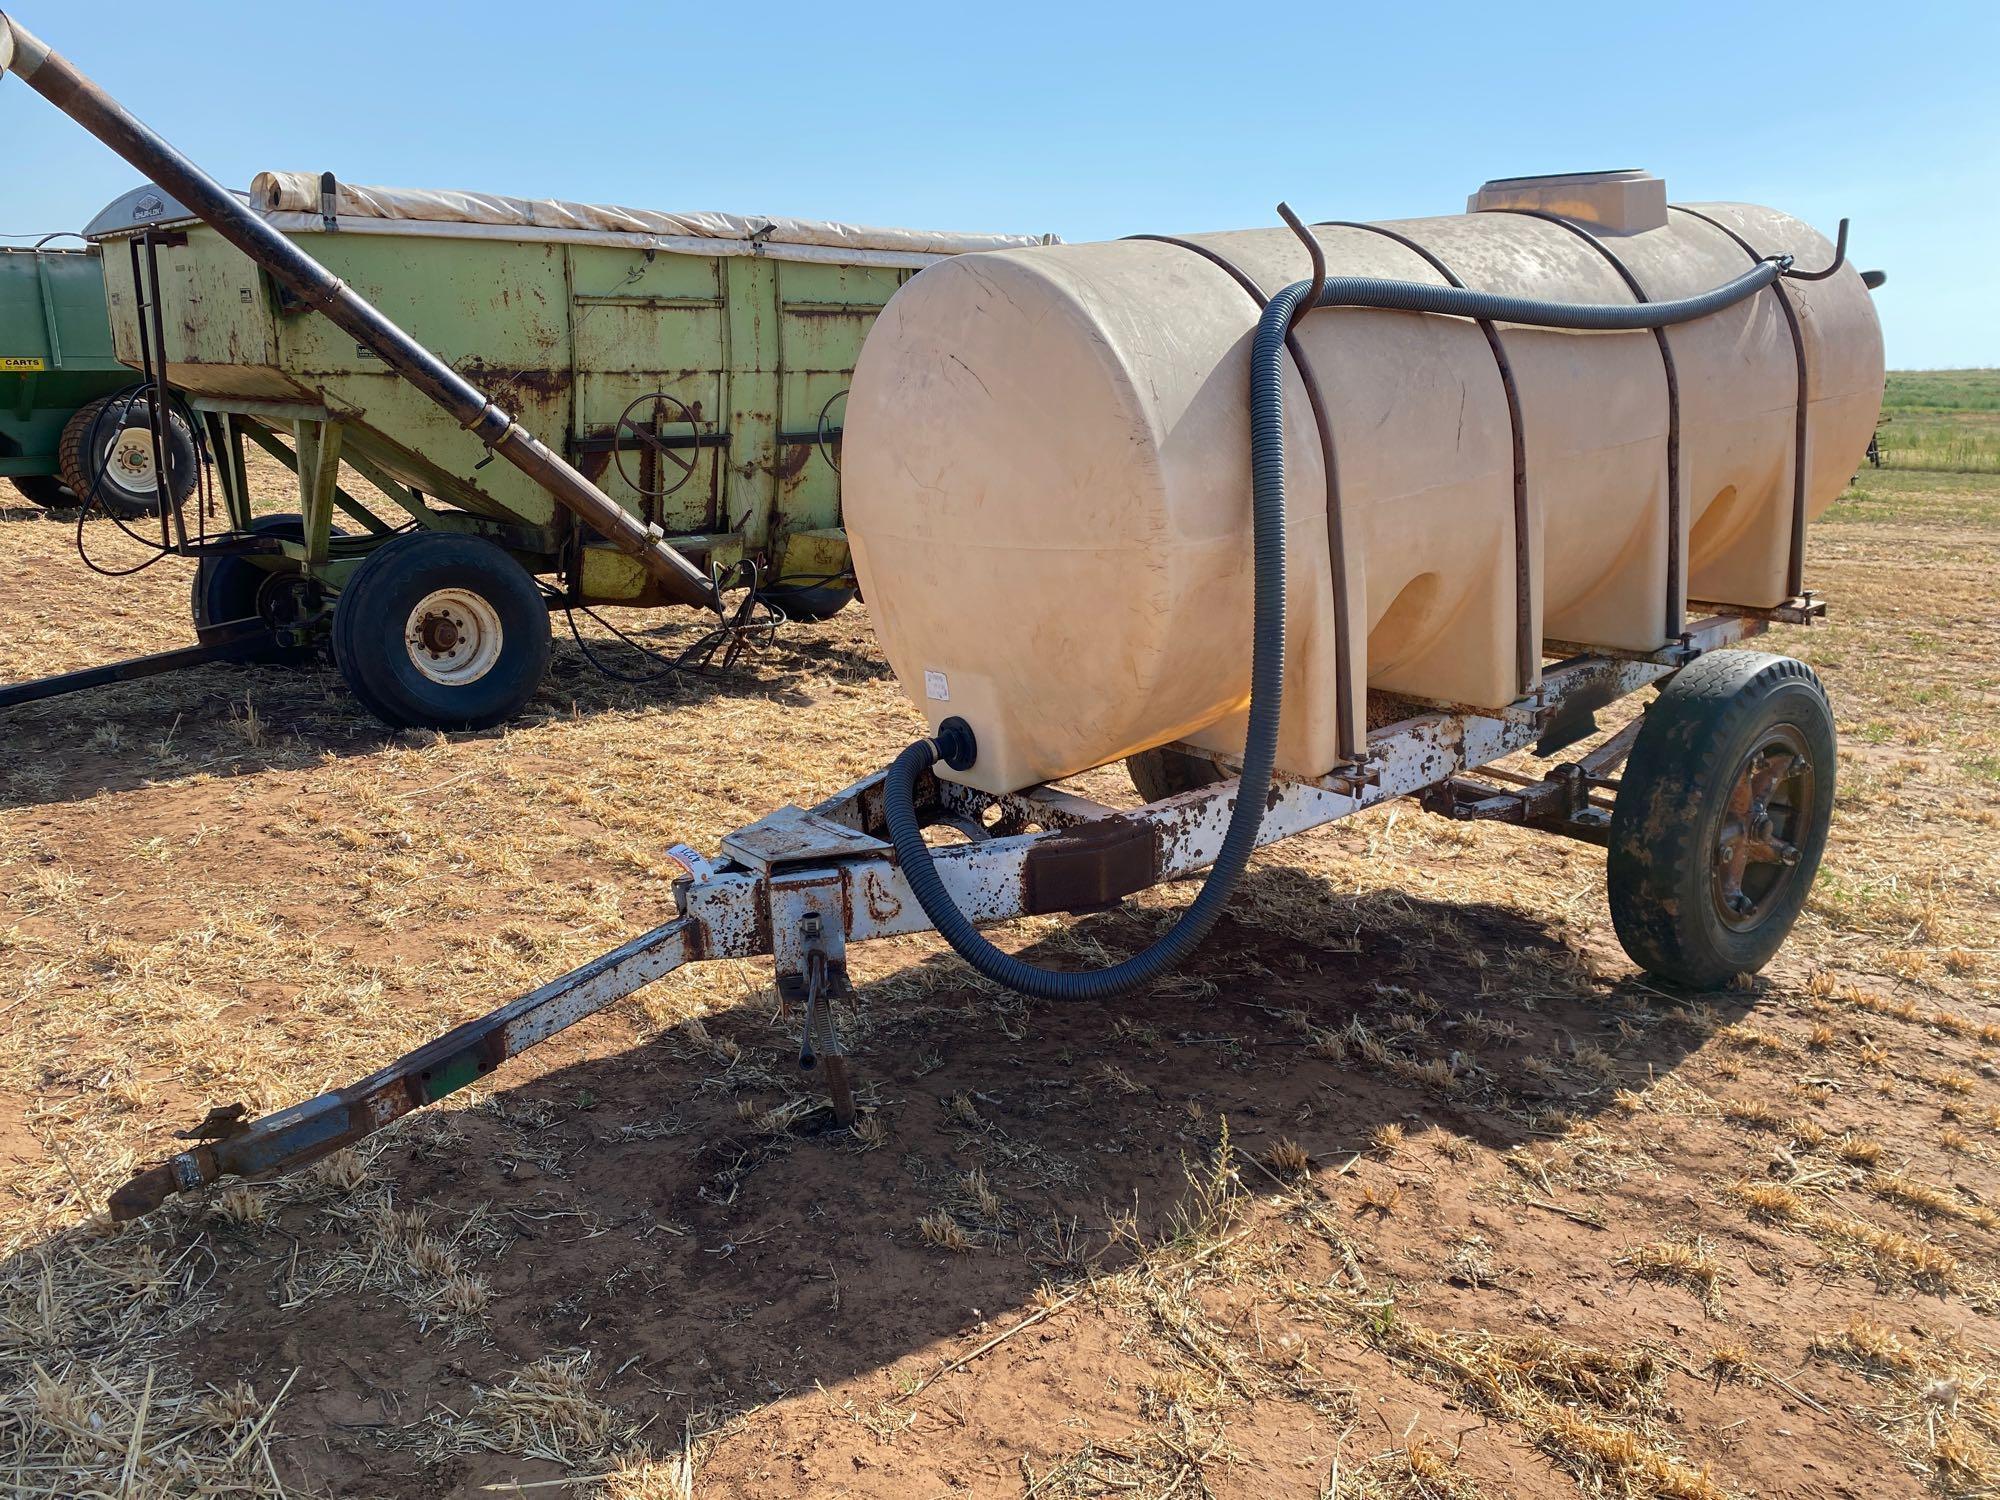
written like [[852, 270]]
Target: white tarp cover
[[298, 192]]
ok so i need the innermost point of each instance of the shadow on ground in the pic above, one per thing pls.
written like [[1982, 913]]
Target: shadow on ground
[[252, 718], [685, 1210]]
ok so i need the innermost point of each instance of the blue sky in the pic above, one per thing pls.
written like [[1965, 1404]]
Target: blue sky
[[1087, 121]]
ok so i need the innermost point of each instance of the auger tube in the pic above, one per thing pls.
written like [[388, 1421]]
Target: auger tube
[[58, 80]]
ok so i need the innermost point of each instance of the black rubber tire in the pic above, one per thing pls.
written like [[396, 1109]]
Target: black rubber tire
[[821, 602], [226, 588], [375, 609], [1163, 772], [1673, 796], [80, 455], [45, 490]]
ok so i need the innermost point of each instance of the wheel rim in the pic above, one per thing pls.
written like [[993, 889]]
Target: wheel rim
[[453, 637], [128, 461], [1769, 806]]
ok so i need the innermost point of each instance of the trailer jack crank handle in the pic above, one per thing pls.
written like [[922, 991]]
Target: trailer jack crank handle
[[56, 79], [230, 1146]]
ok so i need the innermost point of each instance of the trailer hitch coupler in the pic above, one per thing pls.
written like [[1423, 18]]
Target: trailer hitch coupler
[[181, 1173]]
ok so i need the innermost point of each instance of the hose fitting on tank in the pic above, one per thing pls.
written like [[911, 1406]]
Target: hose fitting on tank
[[955, 744]]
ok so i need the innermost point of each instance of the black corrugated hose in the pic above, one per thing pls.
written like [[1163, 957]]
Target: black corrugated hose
[[1267, 656]]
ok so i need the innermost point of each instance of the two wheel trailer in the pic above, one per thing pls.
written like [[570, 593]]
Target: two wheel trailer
[[1713, 805], [1713, 832]]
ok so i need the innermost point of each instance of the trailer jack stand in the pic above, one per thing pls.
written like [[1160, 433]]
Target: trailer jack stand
[[815, 990]]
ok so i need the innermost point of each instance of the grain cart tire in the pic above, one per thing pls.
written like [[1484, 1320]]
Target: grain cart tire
[[232, 588], [106, 456], [439, 631], [45, 490], [1721, 817], [819, 602], [1163, 772]]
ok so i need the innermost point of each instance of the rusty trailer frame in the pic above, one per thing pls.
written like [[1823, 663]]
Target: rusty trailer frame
[[801, 884]]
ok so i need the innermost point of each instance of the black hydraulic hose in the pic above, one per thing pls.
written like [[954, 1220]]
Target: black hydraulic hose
[[1267, 651]]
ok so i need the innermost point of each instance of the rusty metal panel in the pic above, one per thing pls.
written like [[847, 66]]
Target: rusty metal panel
[[1093, 865], [825, 314], [219, 314], [742, 352], [791, 836]]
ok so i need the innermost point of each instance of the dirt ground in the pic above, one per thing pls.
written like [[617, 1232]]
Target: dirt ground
[[1409, 1186]]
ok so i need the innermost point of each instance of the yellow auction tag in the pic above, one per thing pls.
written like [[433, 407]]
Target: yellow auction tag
[[21, 365]]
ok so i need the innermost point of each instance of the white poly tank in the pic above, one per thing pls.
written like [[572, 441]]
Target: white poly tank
[[1047, 466]]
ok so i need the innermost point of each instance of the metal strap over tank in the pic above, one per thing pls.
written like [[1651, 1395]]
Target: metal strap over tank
[[1795, 563], [1527, 639], [1347, 731], [1676, 601]]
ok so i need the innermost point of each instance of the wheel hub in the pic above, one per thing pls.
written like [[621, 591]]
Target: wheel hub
[[128, 460], [1755, 854], [453, 636], [440, 634]]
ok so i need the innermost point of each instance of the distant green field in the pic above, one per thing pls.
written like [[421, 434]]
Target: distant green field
[[1943, 390], [1942, 420]]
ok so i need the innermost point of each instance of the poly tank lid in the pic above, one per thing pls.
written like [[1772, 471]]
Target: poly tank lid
[[1622, 201]]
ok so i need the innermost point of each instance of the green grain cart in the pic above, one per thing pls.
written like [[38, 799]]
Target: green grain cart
[[64, 431], [693, 366]]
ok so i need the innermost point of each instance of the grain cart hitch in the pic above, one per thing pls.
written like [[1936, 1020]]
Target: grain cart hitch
[[801, 884], [56, 79], [219, 643]]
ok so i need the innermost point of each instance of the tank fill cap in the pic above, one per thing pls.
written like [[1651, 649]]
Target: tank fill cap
[[1624, 201]]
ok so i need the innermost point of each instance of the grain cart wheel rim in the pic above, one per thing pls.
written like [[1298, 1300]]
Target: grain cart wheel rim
[[1721, 817], [454, 636], [106, 456], [1756, 856], [440, 631], [128, 461]]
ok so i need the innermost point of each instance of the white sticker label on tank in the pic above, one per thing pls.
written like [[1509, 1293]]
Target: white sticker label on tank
[[937, 687]]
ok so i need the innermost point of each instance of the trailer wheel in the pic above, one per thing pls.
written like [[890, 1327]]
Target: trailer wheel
[[441, 631], [106, 454], [234, 588], [818, 602], [45, 490], [1162, 772], [1721, 817]]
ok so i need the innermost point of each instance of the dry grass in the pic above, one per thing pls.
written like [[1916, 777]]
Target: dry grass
[[1469, 1115], [543, 1410], [1939, 1401], [1288, 1159], [1687, 1262]]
